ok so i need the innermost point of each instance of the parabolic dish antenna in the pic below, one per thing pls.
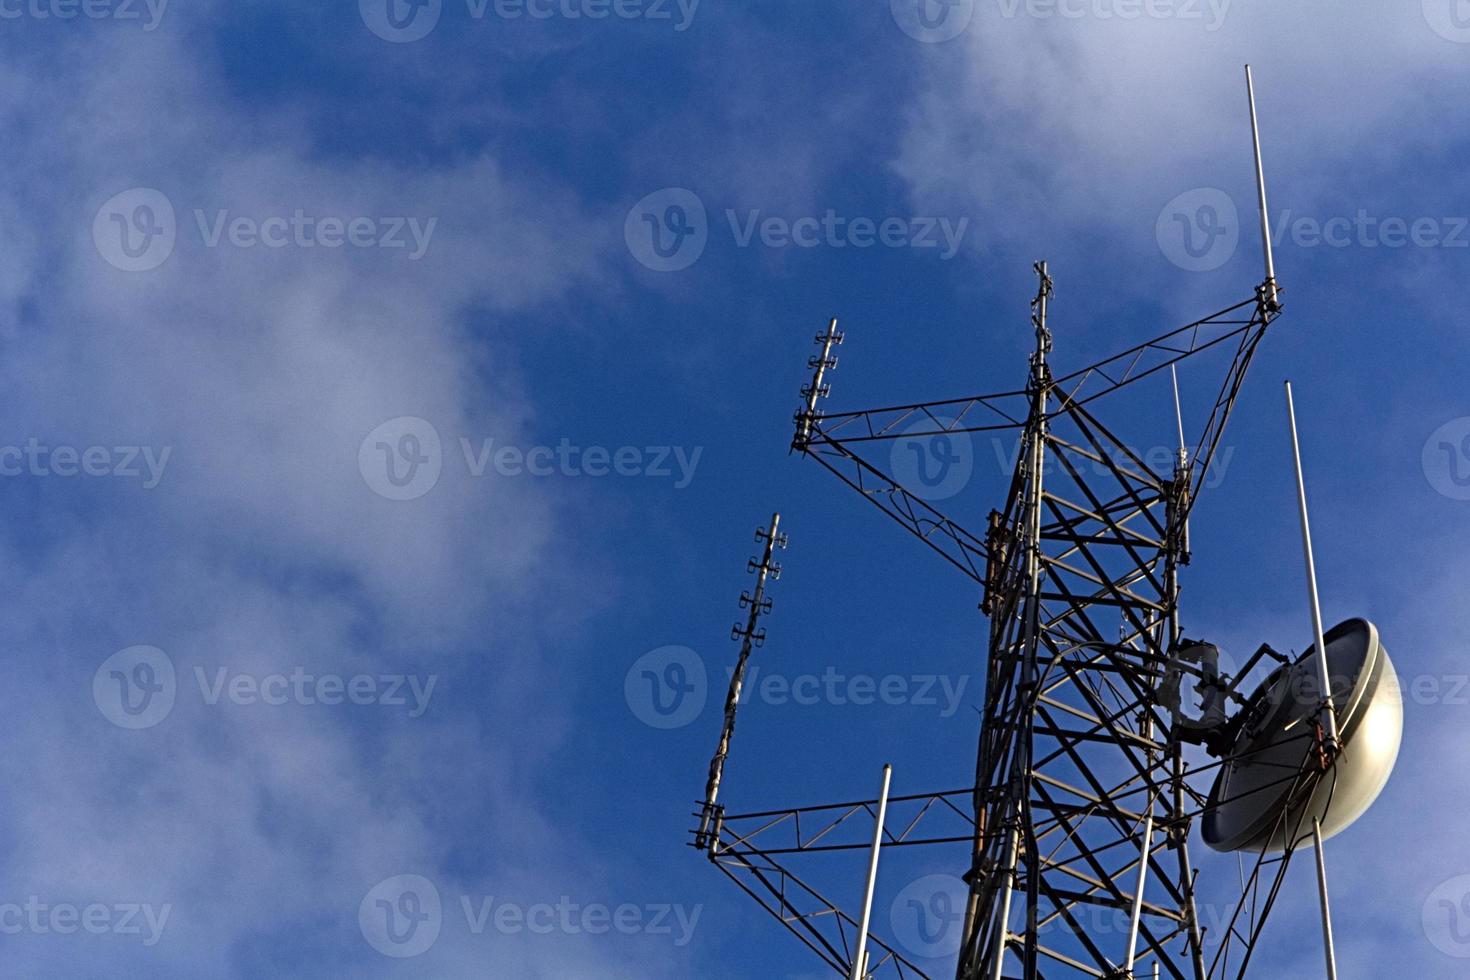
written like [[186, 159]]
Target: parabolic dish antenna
[[1269, 789]]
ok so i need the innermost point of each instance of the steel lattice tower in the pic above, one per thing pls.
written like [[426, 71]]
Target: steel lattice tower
[[1077, 822]]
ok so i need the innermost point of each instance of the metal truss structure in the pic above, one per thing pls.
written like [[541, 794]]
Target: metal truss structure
[[1078, 819], [1074, 834]]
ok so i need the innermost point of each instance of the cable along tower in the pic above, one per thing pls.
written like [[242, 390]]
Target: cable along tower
[[1086, 789]]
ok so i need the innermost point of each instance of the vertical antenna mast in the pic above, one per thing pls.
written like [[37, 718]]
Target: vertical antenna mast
[[1179, 418], [1270, 284], [807, 415], [860, 958], [1328, 713], [750, 637]]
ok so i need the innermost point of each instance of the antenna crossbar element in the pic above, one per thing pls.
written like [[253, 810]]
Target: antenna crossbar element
[[853, 445], [756, 850]]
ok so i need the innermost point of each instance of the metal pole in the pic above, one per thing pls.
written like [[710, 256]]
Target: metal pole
[[819, 364], [704, 838], [1004, 916], [1271, 298], [859, 960], [1329, 720], [1328, 711], [1326, 909], [1179, 418], [1144, 850]]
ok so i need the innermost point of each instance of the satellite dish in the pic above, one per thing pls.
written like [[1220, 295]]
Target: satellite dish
[[1258, 802]]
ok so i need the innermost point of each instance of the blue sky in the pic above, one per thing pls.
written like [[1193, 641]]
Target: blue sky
[[252, 253]]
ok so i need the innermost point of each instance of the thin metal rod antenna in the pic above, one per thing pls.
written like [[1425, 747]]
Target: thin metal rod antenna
[[859, 959], [1145, 851], [1326, 908], [1329, 711], [1179, 418], [1270, 285]]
